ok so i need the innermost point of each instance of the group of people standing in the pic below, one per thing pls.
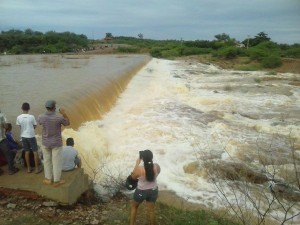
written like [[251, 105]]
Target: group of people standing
[[56, 158]]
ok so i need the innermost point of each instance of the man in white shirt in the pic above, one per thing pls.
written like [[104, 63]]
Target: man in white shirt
[[70, 156], [27, 124]]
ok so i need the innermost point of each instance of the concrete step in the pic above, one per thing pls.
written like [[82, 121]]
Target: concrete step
[[77, 182]]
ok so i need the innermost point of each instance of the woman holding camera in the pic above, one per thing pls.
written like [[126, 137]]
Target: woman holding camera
[[147, 189]]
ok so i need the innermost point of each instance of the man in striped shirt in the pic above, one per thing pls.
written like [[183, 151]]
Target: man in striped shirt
[[52, 142]]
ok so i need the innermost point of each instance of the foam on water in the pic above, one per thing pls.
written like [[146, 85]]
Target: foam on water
[[186, 114]]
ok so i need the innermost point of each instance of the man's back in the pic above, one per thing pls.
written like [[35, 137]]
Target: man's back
[[51, 123], [69, 155], [27, 123]]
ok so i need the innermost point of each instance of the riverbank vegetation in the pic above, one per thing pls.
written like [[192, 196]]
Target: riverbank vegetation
[[256, 53], [16, 210]]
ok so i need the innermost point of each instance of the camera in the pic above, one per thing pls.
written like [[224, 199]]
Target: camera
[[141, 154]]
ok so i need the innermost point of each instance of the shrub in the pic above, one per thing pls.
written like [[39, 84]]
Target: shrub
[[156, 52], [293, 53], [230, 52], [16, 50], [128, 50], [195, 51], [271, 61], [170, 54], [257, 53], [262, 50]]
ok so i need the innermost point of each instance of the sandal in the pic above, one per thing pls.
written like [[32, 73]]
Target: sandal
[[58, 183], [47, 182]]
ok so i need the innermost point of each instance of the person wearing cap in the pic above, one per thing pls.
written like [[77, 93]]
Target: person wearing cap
[[4, 147], [27, 125], [52, 142]]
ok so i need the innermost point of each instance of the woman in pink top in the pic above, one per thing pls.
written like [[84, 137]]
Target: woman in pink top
[[147, 189]]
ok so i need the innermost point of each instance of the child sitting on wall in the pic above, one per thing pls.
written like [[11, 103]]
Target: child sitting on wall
[[14, 146], [12, 143]]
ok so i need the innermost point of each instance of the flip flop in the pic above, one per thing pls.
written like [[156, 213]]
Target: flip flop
[[61, 182], [29, 171], [47, 182]]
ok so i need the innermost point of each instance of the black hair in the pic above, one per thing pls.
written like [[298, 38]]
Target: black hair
[[148, 165], [25, 106], [70, 141], [8, 127]]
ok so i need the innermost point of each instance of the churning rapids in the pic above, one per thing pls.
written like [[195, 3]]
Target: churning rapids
[[208, 128]]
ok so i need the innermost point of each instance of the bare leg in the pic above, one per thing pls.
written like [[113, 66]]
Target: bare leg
[[27, 161], [36, 161], [133, 210], [151, 212]]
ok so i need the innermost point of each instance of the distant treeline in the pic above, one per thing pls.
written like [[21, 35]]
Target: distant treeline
[[29, 41], [259, 48]]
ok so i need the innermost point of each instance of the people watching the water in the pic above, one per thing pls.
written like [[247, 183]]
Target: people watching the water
[[52, 142], [12, 143], [4, 147], [147, 189], [71, 159], [27, 125]]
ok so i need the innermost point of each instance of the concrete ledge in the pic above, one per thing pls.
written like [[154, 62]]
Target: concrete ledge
[[76, 184]]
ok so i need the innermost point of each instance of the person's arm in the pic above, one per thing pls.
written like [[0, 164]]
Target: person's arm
[[34, 122], [11, 139], [157, 167], [63, 113], [39, 120], [136, 170], [77, 161]]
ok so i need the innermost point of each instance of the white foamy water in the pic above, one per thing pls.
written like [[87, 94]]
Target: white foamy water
[[190, 116], [196, 118]]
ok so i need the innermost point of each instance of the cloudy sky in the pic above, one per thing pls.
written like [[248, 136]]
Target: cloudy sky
[[157, 19]]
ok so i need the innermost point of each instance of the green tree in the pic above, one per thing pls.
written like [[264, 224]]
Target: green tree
[[259, 38], [141, 36], [223, 37], [108, 35]]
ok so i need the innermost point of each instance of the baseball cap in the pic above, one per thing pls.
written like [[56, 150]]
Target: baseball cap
[[50, 104]]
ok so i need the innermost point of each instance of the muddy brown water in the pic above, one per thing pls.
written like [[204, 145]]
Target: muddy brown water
[[86, 85]]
